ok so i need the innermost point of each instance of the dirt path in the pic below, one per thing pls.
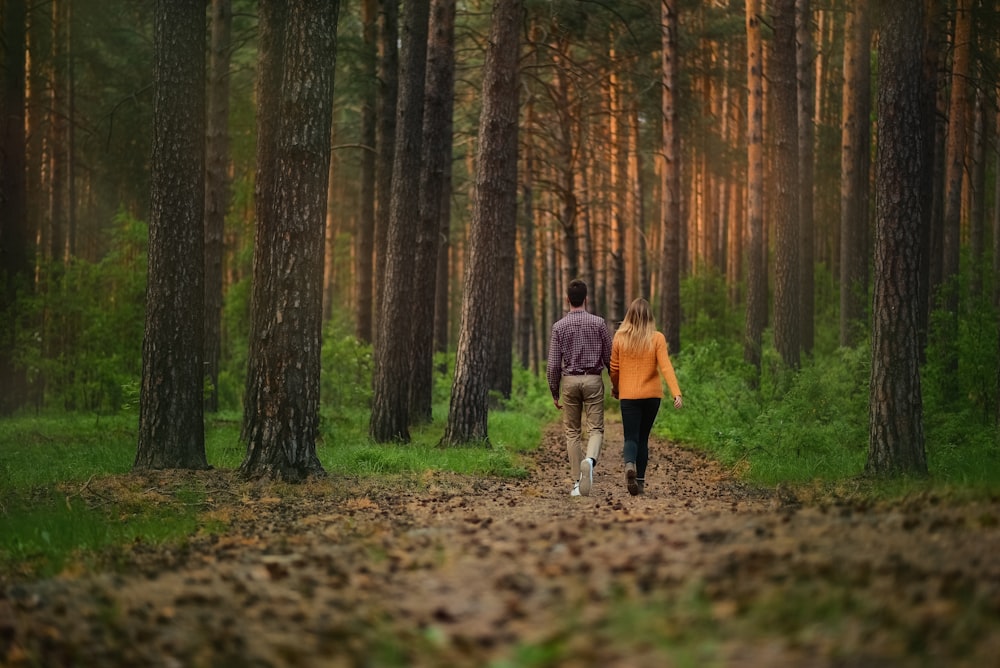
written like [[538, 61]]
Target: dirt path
[[456, 571]]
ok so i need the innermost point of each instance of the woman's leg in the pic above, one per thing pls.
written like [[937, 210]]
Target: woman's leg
[[647, 416], [631, 427]]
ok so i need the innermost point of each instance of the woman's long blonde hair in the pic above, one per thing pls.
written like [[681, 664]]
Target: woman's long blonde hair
[[637, 329]]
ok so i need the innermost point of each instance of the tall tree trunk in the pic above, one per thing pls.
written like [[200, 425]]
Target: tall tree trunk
[[566, 163], [807, 139], [787, 270], [436, 161], [955, 151], [637, 205], [756, 269], [670, 271], [618, 165], [895, 428], [16, 263], [58, 136], [390, 408], [958, 114], [526, 301], [216, 189], [977, 196], [495, 209], [281, 401], [442, 283], [935, 118], [366, 224], [387, 97], [171, 405], [854, 179]]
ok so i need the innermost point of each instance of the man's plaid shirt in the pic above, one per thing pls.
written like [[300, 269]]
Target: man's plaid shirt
[[580, 345]]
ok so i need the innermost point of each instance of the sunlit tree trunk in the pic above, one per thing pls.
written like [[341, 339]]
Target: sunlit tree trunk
[[435, 162], [391, 402], [618, 167], [670, 271], [854, 179], [16, 262], [171, 405], [896, 434], [496, 200], [756, 273], [281, 400], [216, 189]]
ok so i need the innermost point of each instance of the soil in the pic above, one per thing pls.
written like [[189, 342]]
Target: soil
[[446, 570]]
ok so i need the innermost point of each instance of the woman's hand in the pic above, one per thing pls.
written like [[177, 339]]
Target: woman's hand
[[678, 402]]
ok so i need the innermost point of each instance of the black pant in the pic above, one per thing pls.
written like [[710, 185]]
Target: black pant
[[638, 416]]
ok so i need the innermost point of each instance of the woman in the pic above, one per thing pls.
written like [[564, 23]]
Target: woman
[[638, 359]]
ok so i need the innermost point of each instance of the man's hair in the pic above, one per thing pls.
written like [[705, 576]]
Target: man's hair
[[577, 292]]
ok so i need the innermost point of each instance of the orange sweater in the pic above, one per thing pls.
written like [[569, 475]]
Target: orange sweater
[[634, 376]]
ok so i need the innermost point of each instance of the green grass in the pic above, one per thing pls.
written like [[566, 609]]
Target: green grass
[[49, 519]]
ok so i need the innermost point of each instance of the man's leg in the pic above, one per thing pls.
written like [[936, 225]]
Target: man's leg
[[593, 401], [572, 401]]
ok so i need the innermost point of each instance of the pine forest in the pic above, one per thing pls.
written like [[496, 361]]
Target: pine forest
[[279, 211]]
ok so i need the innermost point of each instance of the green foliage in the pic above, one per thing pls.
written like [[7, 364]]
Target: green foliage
[[346, 378], [81, 340], [707, 312]]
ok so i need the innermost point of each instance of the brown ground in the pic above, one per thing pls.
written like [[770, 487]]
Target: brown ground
[[455, 571]]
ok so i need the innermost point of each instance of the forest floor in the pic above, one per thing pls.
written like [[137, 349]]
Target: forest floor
[[449, 570]]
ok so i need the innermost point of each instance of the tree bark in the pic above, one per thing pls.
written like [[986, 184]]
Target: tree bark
[[216, 190], [787, 333], [171, 405], [365, 263], [387, 97], [495, 207], [670, 271], [281, 402], [895, 431], [756, 314], [437, 138], [854, 178], [391, 405], [955, 152], [806, 185]]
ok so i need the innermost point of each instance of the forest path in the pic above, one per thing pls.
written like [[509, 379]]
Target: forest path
[[461, 571]]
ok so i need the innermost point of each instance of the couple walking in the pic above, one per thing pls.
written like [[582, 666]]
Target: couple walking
[[579, 349]]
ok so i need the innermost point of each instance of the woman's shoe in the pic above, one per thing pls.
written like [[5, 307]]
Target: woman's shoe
[[631, 482]]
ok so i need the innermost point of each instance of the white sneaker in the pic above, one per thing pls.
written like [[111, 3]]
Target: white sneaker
[[586, 476], [576, 490]]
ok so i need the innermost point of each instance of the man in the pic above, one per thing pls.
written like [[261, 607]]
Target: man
[[579, 349]]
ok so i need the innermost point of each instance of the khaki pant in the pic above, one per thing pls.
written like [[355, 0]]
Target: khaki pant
[[582, 396]]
